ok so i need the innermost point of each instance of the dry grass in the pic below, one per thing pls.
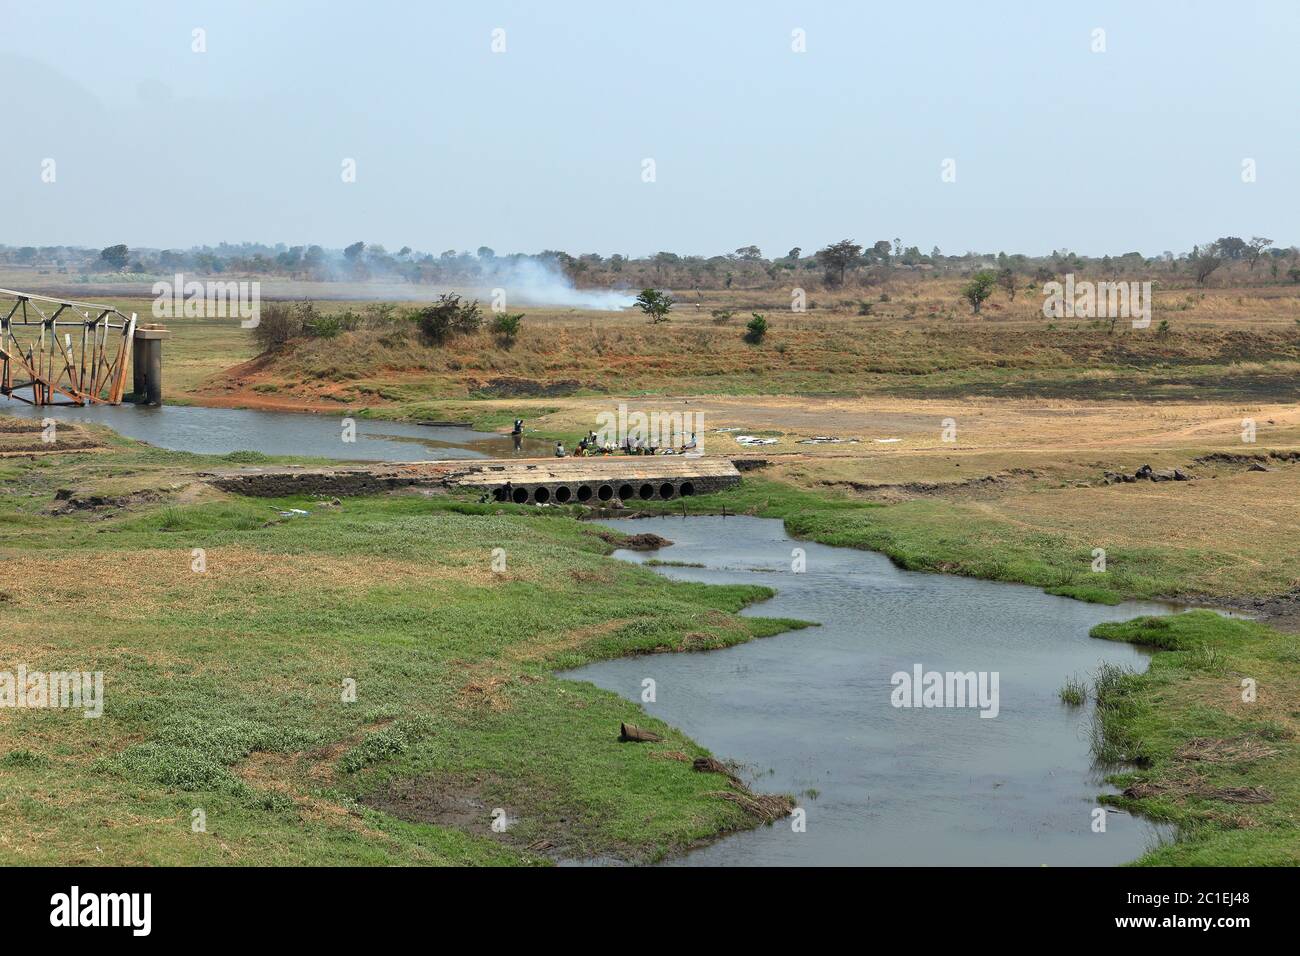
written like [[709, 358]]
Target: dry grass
[[1225, 750], [128, 585], [921, 330]]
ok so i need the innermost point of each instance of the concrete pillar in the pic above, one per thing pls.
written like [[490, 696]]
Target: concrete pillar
[[146, 364]]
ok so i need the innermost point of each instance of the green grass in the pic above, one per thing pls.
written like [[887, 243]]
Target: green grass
[[1193, 691], [1074, 692], [944, 537], [223, 691]]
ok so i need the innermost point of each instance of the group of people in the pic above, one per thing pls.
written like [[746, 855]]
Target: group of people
[[590, 445]]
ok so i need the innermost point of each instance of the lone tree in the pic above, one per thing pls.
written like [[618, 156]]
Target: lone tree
[[115, 256], [838, 257], [505, 326], [1205, 261], [655, 304], [979, 288]]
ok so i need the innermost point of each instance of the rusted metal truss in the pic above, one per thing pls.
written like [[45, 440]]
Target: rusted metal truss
[[65, 353]]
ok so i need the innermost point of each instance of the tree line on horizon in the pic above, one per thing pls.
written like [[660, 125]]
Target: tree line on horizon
[[843, 263]]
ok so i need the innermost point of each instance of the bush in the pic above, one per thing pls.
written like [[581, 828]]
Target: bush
[[505, 325], [656, 305], [448, 317], [755, 329], [379, 314], [722, 316], [327, 326], [279, 323]]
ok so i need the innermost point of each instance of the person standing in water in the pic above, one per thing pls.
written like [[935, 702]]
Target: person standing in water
[[518, 433]]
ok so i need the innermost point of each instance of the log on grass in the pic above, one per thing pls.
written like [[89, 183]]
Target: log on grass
[[634, 734]]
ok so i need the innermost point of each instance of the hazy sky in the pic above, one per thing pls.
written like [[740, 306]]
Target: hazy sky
[[1139, 147]]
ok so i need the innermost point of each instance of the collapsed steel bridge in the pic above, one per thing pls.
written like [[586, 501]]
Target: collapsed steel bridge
[[87, 366]]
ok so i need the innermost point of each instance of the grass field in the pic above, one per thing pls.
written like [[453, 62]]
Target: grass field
[[224, 686], [967, 446]]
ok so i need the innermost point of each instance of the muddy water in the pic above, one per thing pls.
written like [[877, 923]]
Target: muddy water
[[808, 712], [219, 431]]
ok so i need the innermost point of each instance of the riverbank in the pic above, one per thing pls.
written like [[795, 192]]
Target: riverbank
[[1211, 725], [972, 539], [815, 714], [1213, 728], [231, 632]]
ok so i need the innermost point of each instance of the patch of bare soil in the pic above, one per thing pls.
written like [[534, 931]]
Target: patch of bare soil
[[236, 387], [463, 803], [1280, 611], [25, 436], [443, 800], [68, 500]]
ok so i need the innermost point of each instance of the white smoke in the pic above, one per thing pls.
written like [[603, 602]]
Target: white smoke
[[539, 282]]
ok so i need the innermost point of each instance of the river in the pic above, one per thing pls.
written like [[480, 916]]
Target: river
[[219, 431], [809, 712]]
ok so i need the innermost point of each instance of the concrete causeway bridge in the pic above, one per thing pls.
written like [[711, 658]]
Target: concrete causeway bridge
[[595, 481], [601, 479]]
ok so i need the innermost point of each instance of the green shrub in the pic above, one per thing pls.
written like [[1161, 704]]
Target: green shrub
[[755, 329], [505, 325], [328, 326], [448, 317]]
